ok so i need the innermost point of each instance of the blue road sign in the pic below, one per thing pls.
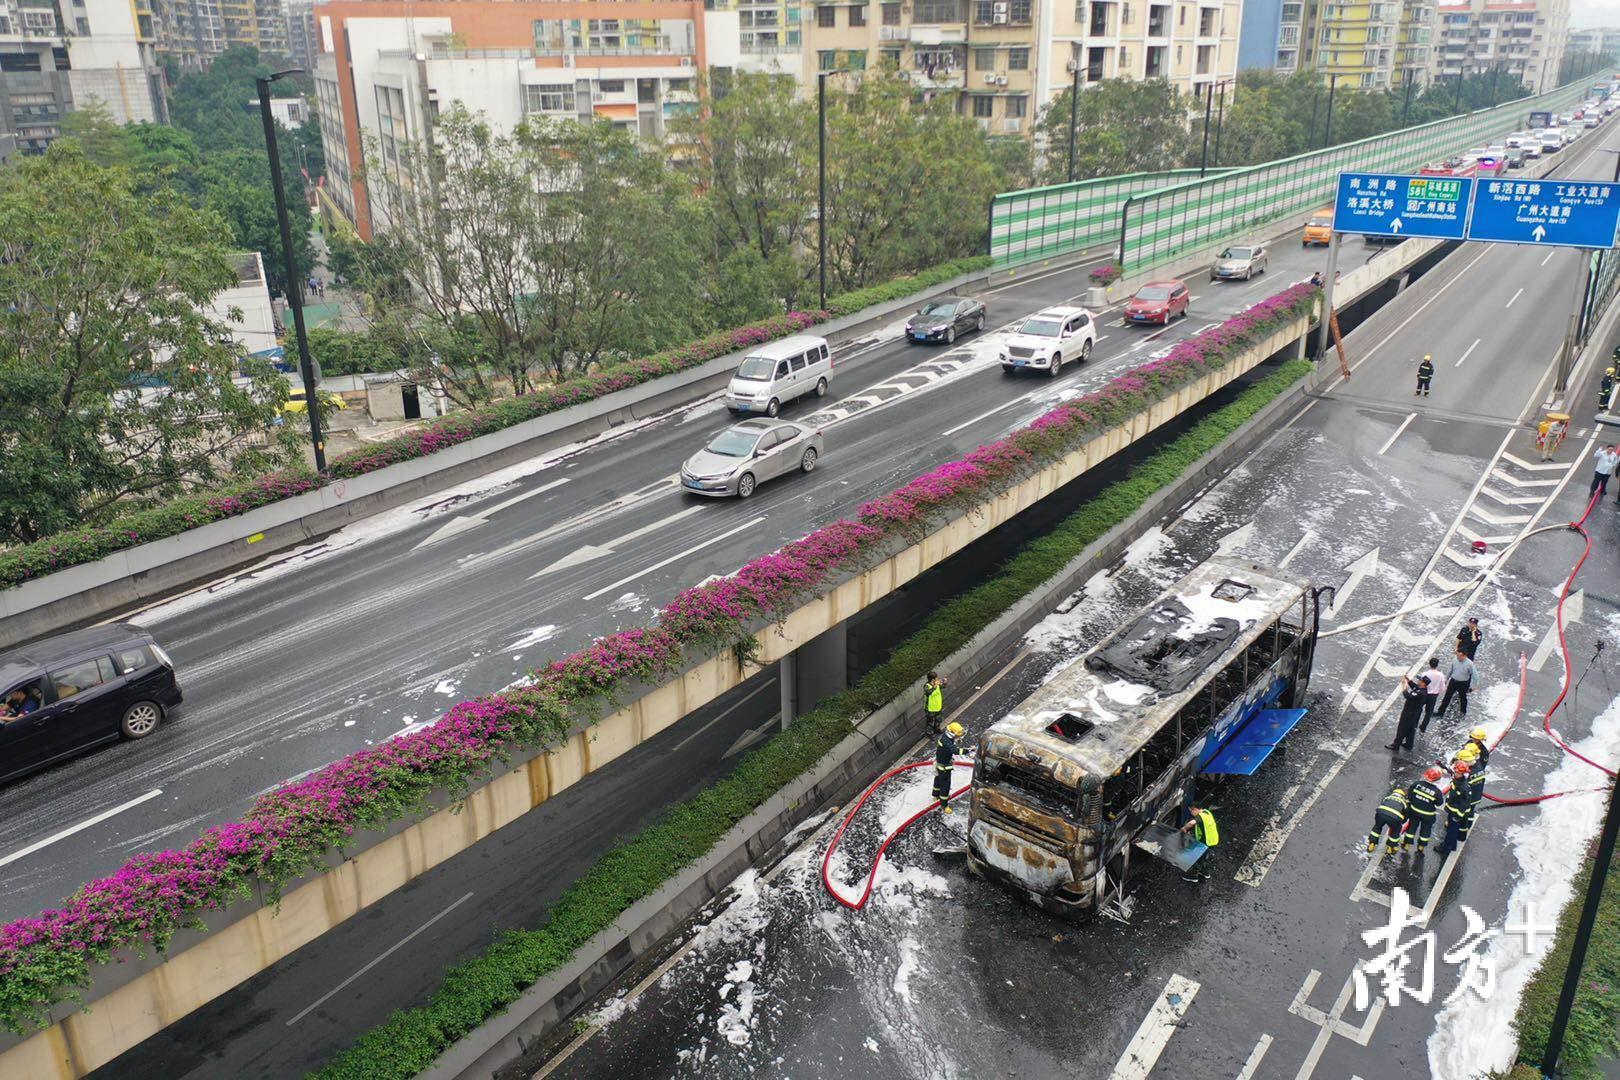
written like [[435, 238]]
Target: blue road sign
[[1386, 204], [1552, 213]]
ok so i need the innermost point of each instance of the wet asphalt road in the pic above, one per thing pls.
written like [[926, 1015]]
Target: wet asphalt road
[[948, 975]]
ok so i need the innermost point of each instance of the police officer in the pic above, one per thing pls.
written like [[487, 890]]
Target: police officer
[[1425, 373], [1422, 804], [935, 697], [1606, 390], [1459, 811], [945, 763], [1414, 694], [1391, 815]]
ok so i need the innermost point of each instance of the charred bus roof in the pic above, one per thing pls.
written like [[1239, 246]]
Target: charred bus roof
[[1104, 707]]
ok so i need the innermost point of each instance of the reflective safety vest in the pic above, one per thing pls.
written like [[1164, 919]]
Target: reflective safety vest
[[1424, 800], [936, 699], [1205, 830], [1394, 804]]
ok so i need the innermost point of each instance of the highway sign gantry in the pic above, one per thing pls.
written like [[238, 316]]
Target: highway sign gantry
[[1388, 204], [1561, 213]]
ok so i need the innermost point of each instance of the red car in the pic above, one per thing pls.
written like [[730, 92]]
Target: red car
[[1158, 302]]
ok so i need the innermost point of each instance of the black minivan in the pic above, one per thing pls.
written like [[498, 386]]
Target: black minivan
[[62, 695]]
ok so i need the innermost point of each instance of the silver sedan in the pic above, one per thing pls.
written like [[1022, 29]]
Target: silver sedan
[[746, 455]]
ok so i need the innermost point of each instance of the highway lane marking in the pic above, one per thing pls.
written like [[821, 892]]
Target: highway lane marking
[[1470, 350], [406, 940], [1548, 256], [1255, 1057], [80, 827], [461, 523], [1391, 440], [1515, 297], [679, 555], [1157, 1027], [587, 552], [989, 413], [1420, 309], [758, 690], [1331, 1023], [1295, 550], [589, 517]]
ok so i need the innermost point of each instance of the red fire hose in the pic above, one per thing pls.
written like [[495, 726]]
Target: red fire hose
[[877, 860]]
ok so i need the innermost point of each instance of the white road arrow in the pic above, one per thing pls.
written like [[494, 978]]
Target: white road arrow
[[749, 738], [1235, 540], [587, 552], [1573, 609], [466, 522], [1539, 232], [1357, 570], [1395, 226]]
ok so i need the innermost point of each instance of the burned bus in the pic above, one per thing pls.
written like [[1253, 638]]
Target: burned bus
[[1206, 680]]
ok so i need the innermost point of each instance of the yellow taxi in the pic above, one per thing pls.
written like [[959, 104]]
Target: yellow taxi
[[298, 403], [1319, 229]]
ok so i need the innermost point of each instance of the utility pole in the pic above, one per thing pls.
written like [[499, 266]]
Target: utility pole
[[1327, 131], [295, 283], [1457, 108], [1583, 935], [1074, 114], [1328, 283], [1203, 155], [821, 182], [1316, 100], [1406, 109], [1220, 112]]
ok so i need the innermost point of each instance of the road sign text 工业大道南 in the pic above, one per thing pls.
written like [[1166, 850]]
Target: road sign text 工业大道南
[[1553, 213]]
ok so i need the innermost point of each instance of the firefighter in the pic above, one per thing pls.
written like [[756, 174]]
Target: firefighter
[[1606, 390], [1459, 811], [1475, 754], [1425, 374], [945, 763], [1391, 815], [935, 696], [1422, 804]]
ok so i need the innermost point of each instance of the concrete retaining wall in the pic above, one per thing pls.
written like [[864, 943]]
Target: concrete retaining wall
[[126, 578], [133, 1000], [502, 1047]]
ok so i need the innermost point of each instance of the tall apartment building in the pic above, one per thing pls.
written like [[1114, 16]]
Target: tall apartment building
[[387, 68], [1372, 44], [1603, 40], [193, 32], [62, 56], [303, 39], [1524, 40], [770, 35], [1002, 61]]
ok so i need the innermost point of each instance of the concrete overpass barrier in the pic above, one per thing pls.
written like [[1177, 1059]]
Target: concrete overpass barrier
[[131, 1001]]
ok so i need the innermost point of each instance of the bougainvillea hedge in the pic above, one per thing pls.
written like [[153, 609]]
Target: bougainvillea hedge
[[77, 546], [48, 958]]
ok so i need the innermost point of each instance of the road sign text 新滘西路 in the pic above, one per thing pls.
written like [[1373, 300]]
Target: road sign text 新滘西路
[[1383, 204], [1565, 213]]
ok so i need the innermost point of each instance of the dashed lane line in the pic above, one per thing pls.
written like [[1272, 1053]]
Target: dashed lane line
[[1391, 440], [1255, 1057], [677, 557], [1154, 1034]]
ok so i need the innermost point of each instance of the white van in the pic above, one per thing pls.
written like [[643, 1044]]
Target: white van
[[775, 374], [1552, 140]]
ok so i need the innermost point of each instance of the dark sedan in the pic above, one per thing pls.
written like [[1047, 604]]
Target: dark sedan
[[945, 319]]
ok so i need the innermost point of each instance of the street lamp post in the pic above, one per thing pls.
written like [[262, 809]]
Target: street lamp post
[[1406, 109], [295, 288], [1220, 112], [1074, 113], [821, 181], [1203, 155], [1327, 130]]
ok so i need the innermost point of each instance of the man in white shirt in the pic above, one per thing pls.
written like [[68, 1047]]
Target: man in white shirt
[[1459, 680], [1602, 468], [1435, 685]]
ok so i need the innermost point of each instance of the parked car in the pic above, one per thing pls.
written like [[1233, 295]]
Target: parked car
[[1319, 229], [68, 693], [1158, 301], [1049, 339], [775, 374], [945, 318], [745, 455], [1242, 261], [298, 402]]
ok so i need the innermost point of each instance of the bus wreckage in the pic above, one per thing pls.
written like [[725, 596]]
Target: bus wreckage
[[1206, 681]]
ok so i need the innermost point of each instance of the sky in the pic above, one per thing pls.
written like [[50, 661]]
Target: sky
[[1584, 13]]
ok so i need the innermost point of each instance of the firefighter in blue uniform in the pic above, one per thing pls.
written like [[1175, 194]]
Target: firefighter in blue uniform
[[1391, 815], [1425, 375], [1422, 805], [1606, 390], [1475, 754], [1459, 810], [945, 762]]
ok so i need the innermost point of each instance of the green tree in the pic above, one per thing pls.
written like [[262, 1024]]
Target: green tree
[[102, 284], [1123, 126], [547, 250]]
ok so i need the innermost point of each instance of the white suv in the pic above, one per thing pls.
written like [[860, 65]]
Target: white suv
[[1049, 339]]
